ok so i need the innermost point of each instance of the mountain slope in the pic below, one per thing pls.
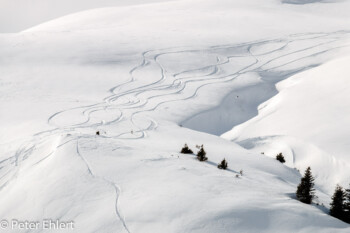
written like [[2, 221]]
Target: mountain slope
[[142, 76], [312, 108]]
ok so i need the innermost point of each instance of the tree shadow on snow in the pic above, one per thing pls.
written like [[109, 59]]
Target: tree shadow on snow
[[215, 165], [317, 205]]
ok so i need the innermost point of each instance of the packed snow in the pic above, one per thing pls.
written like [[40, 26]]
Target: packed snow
[[245, 79]]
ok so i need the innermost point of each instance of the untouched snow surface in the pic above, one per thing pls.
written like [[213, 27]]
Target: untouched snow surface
[[17, 15], [268, 77]]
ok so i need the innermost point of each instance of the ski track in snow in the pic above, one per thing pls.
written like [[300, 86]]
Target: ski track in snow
[[172, 86], [115, 186]]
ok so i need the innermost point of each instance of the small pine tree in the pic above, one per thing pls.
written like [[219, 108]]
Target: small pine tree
[[201, 154], [280, 158], [337, 209], [186, 150], [306, 192], [223, 165], [347, 205]]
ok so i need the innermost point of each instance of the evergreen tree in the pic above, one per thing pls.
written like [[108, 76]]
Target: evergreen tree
[[280, 158], [201, 154], [337, 209], [306, 192], [223, 165], [347, 205], [186, 150]]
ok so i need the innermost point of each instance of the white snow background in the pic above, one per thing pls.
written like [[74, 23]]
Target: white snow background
[[241, 77]]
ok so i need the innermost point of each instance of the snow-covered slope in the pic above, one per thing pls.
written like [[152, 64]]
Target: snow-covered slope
[[17, 15], [312, 108], [137, 74]]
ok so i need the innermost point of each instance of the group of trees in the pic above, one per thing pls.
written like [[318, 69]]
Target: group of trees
[[201, 155], [340, 205]]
